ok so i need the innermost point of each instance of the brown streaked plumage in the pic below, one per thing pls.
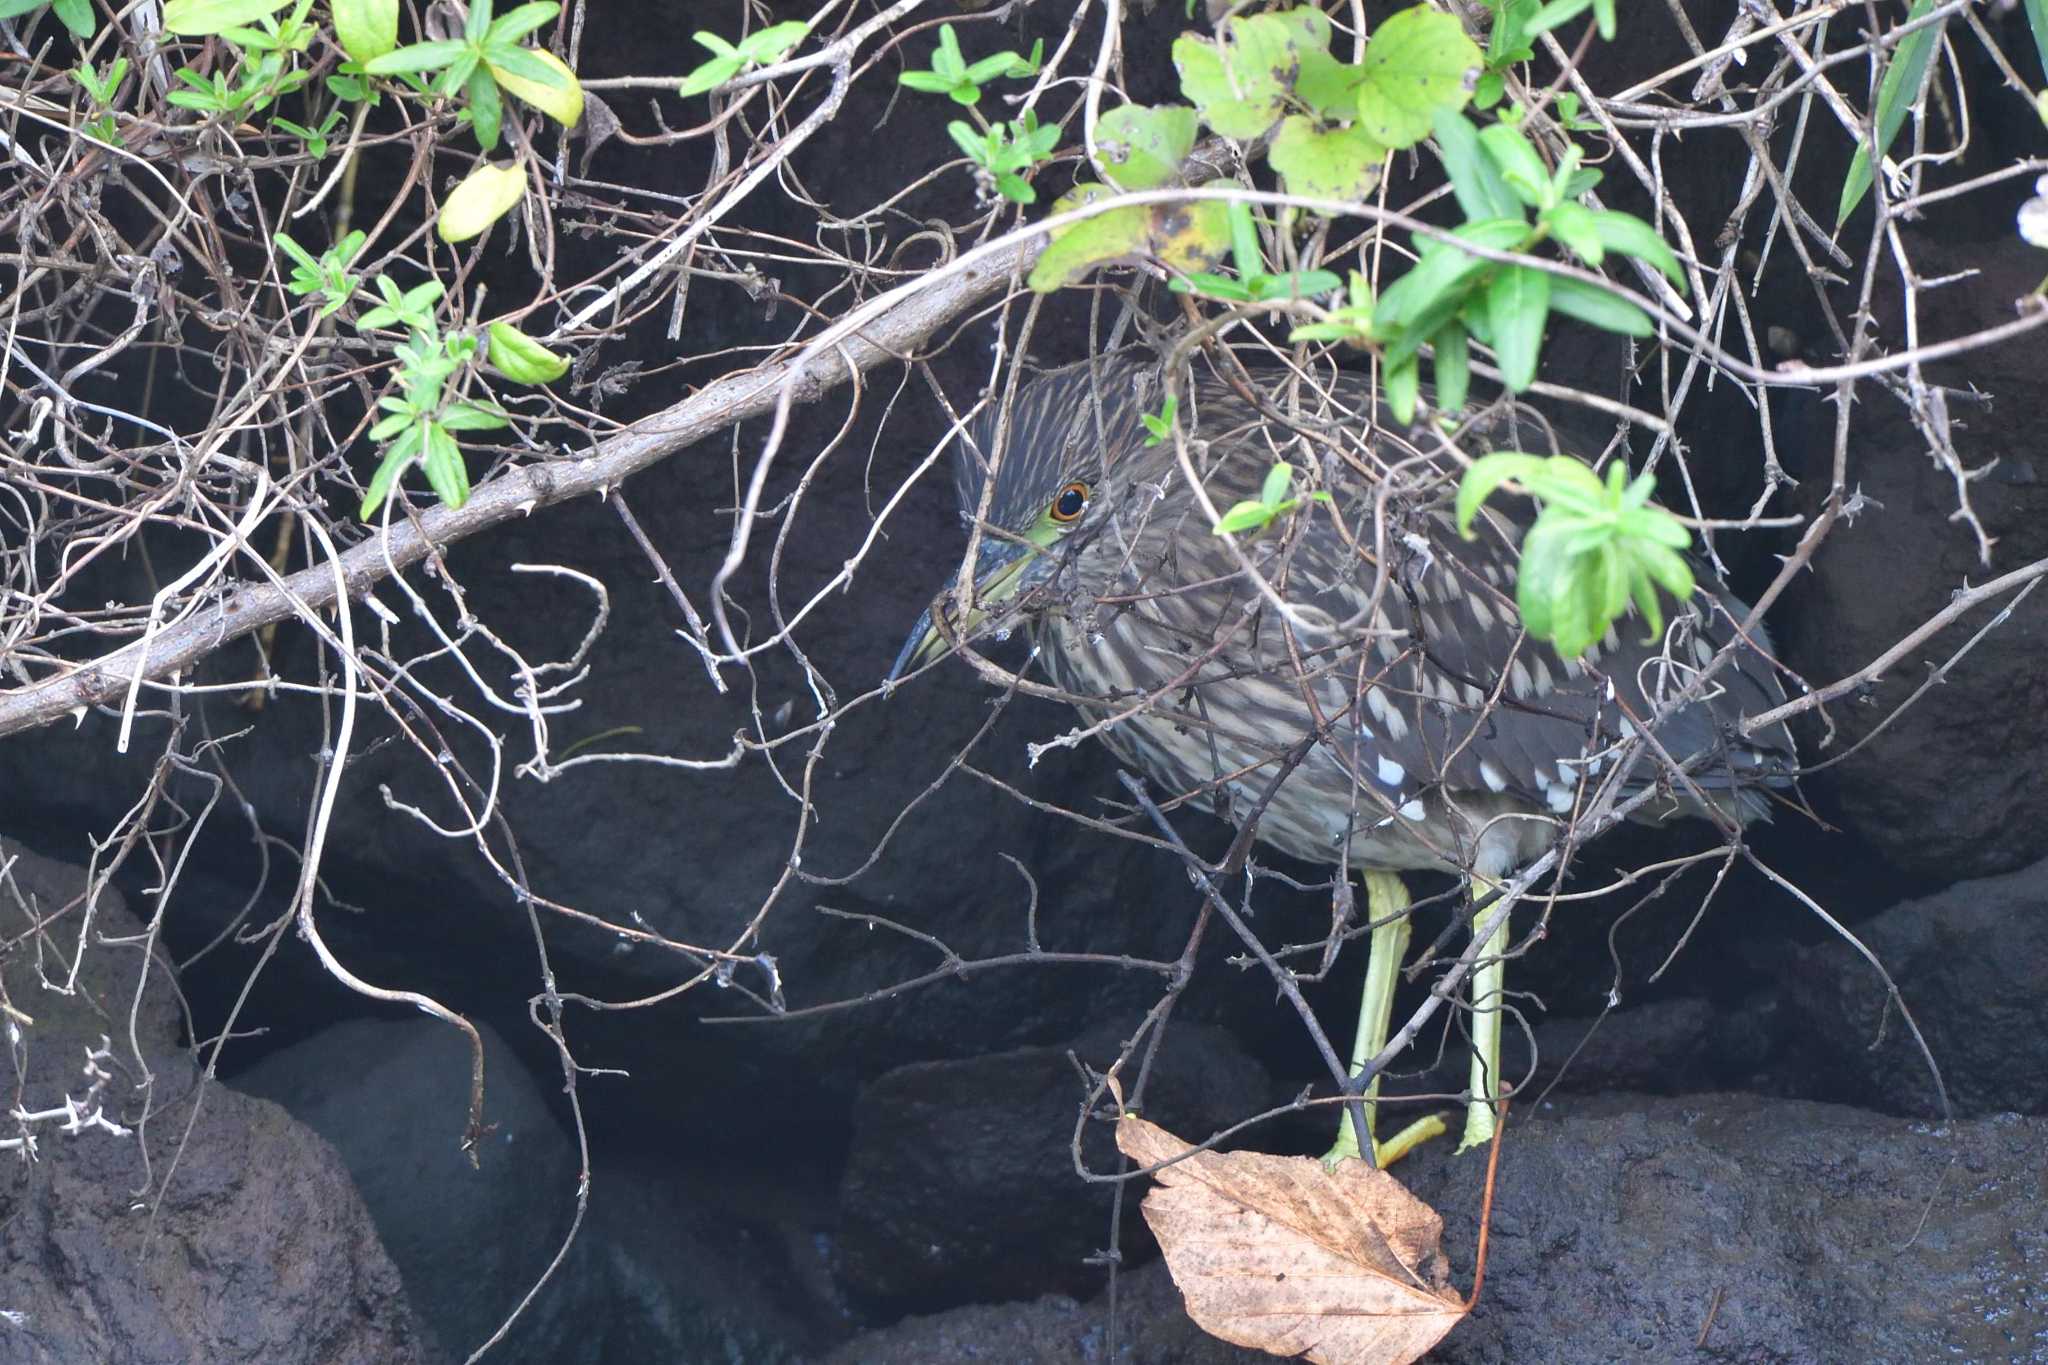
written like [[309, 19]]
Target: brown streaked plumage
[[1424, 728]]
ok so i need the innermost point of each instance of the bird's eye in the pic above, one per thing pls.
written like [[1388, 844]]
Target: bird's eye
[[1072, 499]]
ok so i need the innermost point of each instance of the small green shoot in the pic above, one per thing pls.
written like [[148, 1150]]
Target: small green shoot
[[1350, 323], [762, 48], [101, 90], [421, 423], [950, 74], [328, 276], [1159, 425], [314, 140], [1005, 151], [1256, 514], [1595, 546]]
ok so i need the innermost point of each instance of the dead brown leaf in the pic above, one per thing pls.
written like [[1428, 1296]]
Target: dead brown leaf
[[1275, 1253]]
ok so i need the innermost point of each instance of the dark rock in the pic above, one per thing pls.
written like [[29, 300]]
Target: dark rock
[[659, 1270], [1720, 1227], [1948, 774], [1969, 962], [392, 1096], [236, 1239], [958, 1166]]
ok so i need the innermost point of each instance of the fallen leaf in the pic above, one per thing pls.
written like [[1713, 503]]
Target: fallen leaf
[[1275, 1253]]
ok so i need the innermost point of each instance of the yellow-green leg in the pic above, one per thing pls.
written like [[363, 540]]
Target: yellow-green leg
[[1386, 903], [1489, 993]]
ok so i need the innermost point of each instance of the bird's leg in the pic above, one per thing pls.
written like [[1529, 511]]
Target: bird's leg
[[1489, 994], [1386, 902]]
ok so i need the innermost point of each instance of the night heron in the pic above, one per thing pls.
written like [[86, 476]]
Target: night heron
[[1357, 649]]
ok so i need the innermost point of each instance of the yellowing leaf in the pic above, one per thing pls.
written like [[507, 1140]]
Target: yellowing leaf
[[563, 103], [1242, 83], [1275, 1253], [366, 29], [1339, 163], [485, 195], [1075, 250], [1418, 62], [197, 18]]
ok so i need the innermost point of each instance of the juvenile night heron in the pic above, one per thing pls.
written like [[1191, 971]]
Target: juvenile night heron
[[1358, 650]]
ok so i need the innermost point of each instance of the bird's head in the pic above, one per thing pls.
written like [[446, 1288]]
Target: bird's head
[[1057, 462]]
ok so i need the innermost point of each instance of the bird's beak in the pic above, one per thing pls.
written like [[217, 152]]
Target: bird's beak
[[998, 574]]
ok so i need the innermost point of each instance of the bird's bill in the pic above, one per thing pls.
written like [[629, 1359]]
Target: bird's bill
[[999, 573]]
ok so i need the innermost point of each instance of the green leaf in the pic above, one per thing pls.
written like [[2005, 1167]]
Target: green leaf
[[1511, 151], [380, 483], [1404, 387], [719, 70], [1601, 308], [1556, 14], [1245, 516], [1895, 96], [366, 29], [417, 58], [1573, 225], [75, 15], [486, 108], [1141, 148], [1443, 269], [1475, 181], [521, 359], [446, 472], [199, 18], [521, 20], [1453, 367], [1278, 479], [474, 417], [1418, 63], [2037, 20], [1631, 236], [1341, 164], [1486, 475]]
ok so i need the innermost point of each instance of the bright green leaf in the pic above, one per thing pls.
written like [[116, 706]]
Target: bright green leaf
[[199, 18], [1601, 308], [366, 29], [1278, 479], [1511, 151], [1418, 63], [1475, 181], [1631, 236], [1404, 387], [521, 359], [1573, 225]]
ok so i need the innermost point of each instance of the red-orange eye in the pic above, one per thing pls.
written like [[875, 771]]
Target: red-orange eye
[[1069, 504]]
